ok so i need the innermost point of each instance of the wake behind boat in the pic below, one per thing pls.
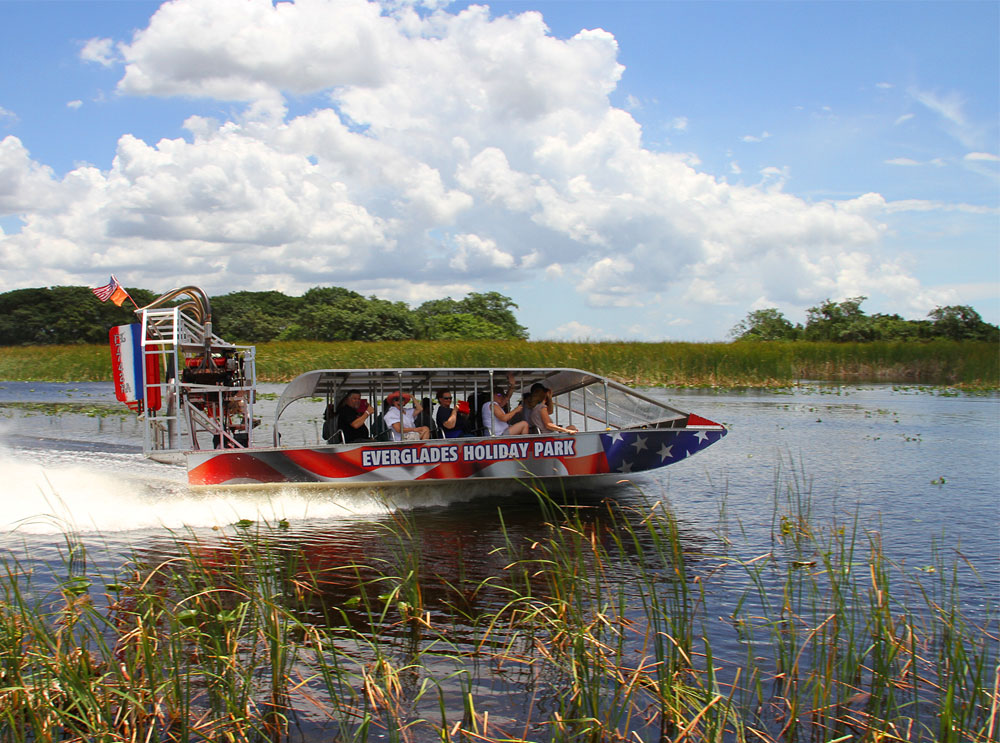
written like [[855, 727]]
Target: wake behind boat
[[195, 394]]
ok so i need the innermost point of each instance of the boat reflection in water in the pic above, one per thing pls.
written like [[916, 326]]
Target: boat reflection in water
[[442, 596]]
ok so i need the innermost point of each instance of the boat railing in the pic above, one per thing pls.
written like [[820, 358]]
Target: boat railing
[[196, 379], [588, 401]]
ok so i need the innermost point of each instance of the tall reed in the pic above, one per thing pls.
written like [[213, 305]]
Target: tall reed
[[600, 625], [676, 364]]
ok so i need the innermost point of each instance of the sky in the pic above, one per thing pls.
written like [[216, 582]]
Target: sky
[[621, 170]]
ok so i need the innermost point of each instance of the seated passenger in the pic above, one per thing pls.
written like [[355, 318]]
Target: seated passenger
[[452, 422], [423, 417], [400, 420], [352, 417], [540, 409], [496, 420], [234, 422]]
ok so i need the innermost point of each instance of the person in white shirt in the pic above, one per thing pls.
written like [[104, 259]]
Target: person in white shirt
[[400, 419], [495, 418]]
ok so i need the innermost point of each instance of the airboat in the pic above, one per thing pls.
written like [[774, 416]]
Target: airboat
[[197, 398]]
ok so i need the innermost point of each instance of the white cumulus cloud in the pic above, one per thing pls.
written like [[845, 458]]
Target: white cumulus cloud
[[101, 51], [442, 150]]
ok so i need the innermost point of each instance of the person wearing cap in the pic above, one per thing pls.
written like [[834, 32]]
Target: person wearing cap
[[496, 420], [449, 418], [400, 419]]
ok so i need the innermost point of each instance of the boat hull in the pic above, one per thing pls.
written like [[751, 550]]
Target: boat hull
[[564, 456]]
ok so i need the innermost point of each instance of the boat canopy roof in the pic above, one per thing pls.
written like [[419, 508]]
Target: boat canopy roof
[[331, 384]]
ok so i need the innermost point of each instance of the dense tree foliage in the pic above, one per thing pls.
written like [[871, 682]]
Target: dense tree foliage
[[481, 316], [62, 314], [72, 314], [765, 325], [960, 322], [846, 322]]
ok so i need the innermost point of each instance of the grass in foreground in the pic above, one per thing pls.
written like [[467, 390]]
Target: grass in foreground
[[676, 364], [596, 632]]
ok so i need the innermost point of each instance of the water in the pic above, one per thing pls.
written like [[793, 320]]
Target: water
[[919, 466], [915, 465]]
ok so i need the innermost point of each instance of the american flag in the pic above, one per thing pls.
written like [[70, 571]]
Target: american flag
[[104, 293]]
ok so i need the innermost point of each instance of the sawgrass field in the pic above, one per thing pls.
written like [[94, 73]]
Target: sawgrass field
[[969, 364]]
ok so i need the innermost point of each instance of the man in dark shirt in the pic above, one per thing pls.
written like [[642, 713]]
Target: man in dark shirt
[[449, 419], [352, 417]]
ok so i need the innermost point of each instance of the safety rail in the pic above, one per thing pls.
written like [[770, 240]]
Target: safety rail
[[202, 386]]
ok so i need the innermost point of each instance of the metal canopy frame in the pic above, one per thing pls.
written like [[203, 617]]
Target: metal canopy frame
[[332, 384]]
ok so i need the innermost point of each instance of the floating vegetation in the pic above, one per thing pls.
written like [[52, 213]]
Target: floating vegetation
[[91, 410], [595, 631]]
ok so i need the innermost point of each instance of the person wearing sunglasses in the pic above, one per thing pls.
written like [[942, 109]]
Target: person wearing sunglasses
[[400, 420], [450, 419]]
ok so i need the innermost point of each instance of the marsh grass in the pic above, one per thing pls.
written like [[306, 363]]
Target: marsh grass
[[597, 629], [674, 364]]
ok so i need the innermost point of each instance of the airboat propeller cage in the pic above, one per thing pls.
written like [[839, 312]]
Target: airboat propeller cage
[[207, 383], [199, 306]]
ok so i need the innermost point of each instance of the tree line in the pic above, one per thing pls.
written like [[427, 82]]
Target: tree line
[[846, 322], [72, 314]]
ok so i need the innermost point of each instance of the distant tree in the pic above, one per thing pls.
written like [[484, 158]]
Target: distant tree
[[435, 307], [492, 308], [322, 323], [334, 296], [253, 316], [895, 328], [497, 309], [765, 325], [463, 326], [331, 313], [386, 321], [838, 321], [62, 314], [349, 316], [960, 322]]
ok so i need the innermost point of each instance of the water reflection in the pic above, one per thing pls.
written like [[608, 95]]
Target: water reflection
[[453, 563], [419, 601], [469, 597]]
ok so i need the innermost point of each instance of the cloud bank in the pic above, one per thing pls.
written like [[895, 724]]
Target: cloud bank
[[444, 152]]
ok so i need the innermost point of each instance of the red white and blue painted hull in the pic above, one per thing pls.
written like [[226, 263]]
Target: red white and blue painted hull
[[616, 453]]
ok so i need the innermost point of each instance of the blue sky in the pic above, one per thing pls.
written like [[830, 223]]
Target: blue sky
[[653, 180]]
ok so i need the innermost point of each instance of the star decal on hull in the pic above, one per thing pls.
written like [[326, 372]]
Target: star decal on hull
[[629, 452]]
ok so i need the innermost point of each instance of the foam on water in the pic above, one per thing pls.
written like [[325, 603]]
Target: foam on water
[[52, 491]]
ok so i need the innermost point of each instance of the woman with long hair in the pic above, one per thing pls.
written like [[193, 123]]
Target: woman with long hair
[[540, 409]]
